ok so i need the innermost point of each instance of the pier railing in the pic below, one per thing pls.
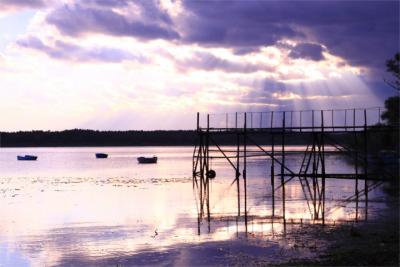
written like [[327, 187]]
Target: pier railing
[[321, 127], [295, 120]]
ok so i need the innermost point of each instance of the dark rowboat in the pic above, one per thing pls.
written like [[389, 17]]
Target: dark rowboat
[[27, 157], [147, 160], [101, 156]]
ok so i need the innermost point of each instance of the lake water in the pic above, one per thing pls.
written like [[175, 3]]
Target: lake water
[[69, 205]]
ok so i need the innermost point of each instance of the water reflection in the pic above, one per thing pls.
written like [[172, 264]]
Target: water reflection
[[70, 209]]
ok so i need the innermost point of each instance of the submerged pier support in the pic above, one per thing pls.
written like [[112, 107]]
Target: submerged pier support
[[269, 138]]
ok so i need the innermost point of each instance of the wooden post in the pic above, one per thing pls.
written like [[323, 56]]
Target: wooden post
[[323, 166], [244, 171], [291, 119], [356, 161], [366, 163], [379, 115], [207, 170], [237, 171], [283, 165], [198, 121], [236, 120], [301, 119], [273, 165], [273, 173], [202, 158], [312, 120], [272, 119]]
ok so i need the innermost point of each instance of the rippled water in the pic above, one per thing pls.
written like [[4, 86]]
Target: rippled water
[[69, 207]]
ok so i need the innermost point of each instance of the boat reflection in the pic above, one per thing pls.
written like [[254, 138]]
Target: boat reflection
[[58, 217]]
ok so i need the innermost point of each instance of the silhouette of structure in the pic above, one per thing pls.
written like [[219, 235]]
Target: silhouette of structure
[[333, 128]]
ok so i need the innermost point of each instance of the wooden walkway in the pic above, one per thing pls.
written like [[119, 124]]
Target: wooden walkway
[[319, 127]]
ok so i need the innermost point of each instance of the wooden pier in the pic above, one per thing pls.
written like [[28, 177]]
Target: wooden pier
[[321, 128]]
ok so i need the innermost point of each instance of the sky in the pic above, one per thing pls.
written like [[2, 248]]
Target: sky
[[132, 65]]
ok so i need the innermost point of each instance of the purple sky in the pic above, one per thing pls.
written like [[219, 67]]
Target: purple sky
[[109, 64]]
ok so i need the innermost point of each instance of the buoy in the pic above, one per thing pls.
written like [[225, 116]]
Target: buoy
[[211, 174]]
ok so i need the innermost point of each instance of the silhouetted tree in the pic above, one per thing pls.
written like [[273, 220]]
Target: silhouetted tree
[[391, 114], [392, 66]]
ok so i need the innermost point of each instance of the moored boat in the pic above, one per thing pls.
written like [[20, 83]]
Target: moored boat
[[101, 155], [147, 159], [27, 157]]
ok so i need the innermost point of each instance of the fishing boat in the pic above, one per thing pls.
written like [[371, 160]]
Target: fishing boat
[[147, 159], [27, 157], [101, 156]]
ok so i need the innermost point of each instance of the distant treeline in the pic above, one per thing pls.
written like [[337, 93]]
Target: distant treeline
[[78, 137]]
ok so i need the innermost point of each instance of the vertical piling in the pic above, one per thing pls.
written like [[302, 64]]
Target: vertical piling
[[207, 152], [323, 166], [198, 121], [366, 163], [202, 157], [355, 161], [283, 165], [237, 171], [244, 170], [301, 121], [273, 165], [312, 120], [291, 119], [236, 120]]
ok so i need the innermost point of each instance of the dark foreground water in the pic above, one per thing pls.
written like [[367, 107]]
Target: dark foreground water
[[69, 208]]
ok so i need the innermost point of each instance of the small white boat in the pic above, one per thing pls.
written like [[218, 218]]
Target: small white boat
[[27, 157], [147, 159]]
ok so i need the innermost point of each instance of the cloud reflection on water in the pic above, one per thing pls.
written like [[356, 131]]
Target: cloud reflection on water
[[56, 217]]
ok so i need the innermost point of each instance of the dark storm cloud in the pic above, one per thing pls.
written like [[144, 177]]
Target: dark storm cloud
[[98, 17], [234, 23], [307, 51], [68, 51], [210, 62], [364, 33]]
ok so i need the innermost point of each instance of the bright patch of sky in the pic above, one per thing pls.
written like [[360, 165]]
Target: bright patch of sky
[[12, 25], [152, 65]]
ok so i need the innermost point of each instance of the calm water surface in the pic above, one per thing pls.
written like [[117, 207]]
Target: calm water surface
[[68, 204]]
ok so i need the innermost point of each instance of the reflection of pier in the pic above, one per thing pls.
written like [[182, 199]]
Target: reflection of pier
[[348, 131]]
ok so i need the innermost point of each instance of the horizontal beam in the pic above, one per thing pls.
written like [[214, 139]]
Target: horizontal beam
[[339, 176], [303, 129]]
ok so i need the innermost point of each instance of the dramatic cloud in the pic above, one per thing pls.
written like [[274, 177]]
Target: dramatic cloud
[[68, 51], [13, 6], [307, 51], [22, 3], [233, 24], [142, 20], [217, 56], [363, 33], [210, 62]]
